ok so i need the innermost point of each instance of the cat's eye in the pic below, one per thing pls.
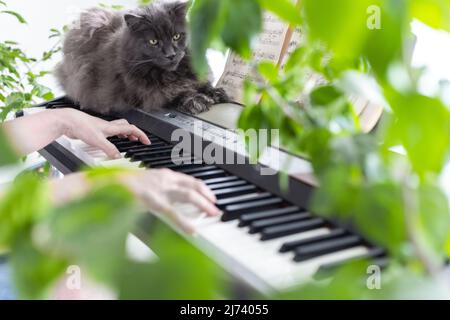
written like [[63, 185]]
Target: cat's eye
[[177, 37], [153, 42]]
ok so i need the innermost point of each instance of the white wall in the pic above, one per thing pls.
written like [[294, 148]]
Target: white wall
[[43, 15]]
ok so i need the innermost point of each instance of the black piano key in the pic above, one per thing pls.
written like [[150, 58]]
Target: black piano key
[[257, 226], [141, 147], [245, 219], [214, 181], [157, 158], [115, 139], [153, 137], [149, 158], [199, 169], [318, 249], [163, 163], [291, 228], [327, 270], [243, 198], [209, 174], [159, 147], [126, 143], [166, 157], [130, 152], [232, 212], [225, 185], [156, 142], [153, 145], [187, 166], [152, 152], [124, 140], [123, 147], [254, 205], [335, 233], [229, 192]]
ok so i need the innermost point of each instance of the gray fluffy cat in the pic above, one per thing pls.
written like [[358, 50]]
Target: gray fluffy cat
[[115, 61]]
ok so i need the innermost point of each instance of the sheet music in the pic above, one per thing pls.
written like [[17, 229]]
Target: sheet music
[[271, 45], [268, 46], [370, 116]]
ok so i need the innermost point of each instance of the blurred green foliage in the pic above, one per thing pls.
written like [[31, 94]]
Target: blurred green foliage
[[20, 85], [90, 232], [8, 155], [395, 201], [181, 272]]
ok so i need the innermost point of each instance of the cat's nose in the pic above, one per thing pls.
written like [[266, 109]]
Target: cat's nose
[[171, 56]]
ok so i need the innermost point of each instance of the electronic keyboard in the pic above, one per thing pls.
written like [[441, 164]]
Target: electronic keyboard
[[266, 236]]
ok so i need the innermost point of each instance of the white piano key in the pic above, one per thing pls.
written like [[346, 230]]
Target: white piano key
[[263, 259], [298, 273], [138, 251], [121, 163]]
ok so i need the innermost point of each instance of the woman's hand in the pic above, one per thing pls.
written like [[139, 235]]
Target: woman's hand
[[160, 189], [94, 131], [34, 132]]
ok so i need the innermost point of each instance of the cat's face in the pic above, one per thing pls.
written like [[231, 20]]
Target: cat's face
[[158, 35]]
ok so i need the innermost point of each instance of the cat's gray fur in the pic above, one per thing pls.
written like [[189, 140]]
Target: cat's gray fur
[[109, 65]]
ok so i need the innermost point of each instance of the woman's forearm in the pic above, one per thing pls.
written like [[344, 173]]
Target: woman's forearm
[[71, 187], [34, 132]]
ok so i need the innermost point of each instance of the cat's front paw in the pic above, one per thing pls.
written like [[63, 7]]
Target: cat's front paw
[[196, 104], [219, 95]]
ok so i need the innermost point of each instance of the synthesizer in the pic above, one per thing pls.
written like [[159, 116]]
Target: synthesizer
[[267, 236]]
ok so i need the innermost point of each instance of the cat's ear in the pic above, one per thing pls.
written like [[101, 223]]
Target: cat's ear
[[179, 9], [134, 22]]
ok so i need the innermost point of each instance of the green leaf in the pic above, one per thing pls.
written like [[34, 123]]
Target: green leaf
[[7, 155], [180, 267], [240, 13], [325, 95], [341, 25], [15, 14], [435, 13], [92, 231], [19, 210], [284, 9], [34, 272], [392, 36], [296, 59], [434, 222], [205, 22], [423, 126], [213, 20], [268, 70]]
